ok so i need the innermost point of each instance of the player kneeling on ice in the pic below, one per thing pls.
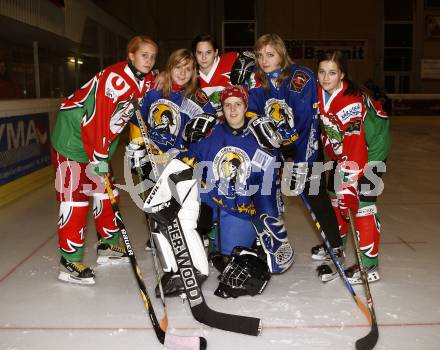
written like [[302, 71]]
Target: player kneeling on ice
[[240, 189]]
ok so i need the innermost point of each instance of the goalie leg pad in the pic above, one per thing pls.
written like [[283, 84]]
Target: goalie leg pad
[[164, 250], [275, 243], [176, 194]]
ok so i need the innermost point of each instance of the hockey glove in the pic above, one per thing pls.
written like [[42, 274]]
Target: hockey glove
[[136, 155], [199, 127], [243, 68], [265, 132]]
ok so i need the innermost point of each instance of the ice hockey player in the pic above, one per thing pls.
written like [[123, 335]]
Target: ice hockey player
[[356, 137], [84, 140], [240, 187], [216, 71], [287, 93]]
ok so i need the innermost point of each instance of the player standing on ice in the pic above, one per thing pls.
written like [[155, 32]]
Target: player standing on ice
[[356, 137], [216, 71], [84, 140], [287, 93], [240, 161]]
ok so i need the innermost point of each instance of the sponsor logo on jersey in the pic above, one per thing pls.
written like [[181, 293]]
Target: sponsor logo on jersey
[[184, 263], [352, 110], [298, 81], [262, 159], [353, 128]]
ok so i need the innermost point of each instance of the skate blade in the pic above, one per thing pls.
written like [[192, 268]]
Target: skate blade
[[111, 260], [65, 277], [320, 258], [329, 277], [372, 277]]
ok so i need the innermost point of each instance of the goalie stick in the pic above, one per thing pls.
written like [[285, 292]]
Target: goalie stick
[[170, 341], [335, 259], [369, 341], [197, 303]]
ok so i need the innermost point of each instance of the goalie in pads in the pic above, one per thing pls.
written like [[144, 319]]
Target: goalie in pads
[[175, 195]]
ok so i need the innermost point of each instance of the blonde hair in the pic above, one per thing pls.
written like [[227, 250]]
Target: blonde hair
[[177, 57], [275, 41], [135, 42]]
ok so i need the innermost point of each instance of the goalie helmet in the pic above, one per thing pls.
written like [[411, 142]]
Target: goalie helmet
[[246, 274]]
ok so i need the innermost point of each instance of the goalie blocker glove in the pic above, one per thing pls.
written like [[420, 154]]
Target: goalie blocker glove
[[265, 132], [199, 127], [246, 274]]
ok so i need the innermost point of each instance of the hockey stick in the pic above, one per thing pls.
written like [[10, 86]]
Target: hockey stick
[[369, 341], [169, 340], [199, 308], [335, 260], [153, 249]]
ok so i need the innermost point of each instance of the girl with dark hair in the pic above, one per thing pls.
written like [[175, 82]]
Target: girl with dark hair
[[287, 93], [216, 71], [356, 138]]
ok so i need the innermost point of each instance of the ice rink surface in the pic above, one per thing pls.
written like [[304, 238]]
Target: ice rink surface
[[38, 312]]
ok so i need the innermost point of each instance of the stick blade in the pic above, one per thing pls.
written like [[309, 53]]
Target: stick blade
[[369, 341], [228, 322], [175, 342]]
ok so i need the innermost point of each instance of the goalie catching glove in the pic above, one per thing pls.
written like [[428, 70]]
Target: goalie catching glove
[[265, 132], [176, 195], [246, 274], [199, 127]]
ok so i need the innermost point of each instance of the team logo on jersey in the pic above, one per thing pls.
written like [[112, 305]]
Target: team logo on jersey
[[278, 110], [232, 167], [115, 86], [164, 116], [334, 135], [298, 81]]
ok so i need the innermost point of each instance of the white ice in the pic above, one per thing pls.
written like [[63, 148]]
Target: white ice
[[298, 311]]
